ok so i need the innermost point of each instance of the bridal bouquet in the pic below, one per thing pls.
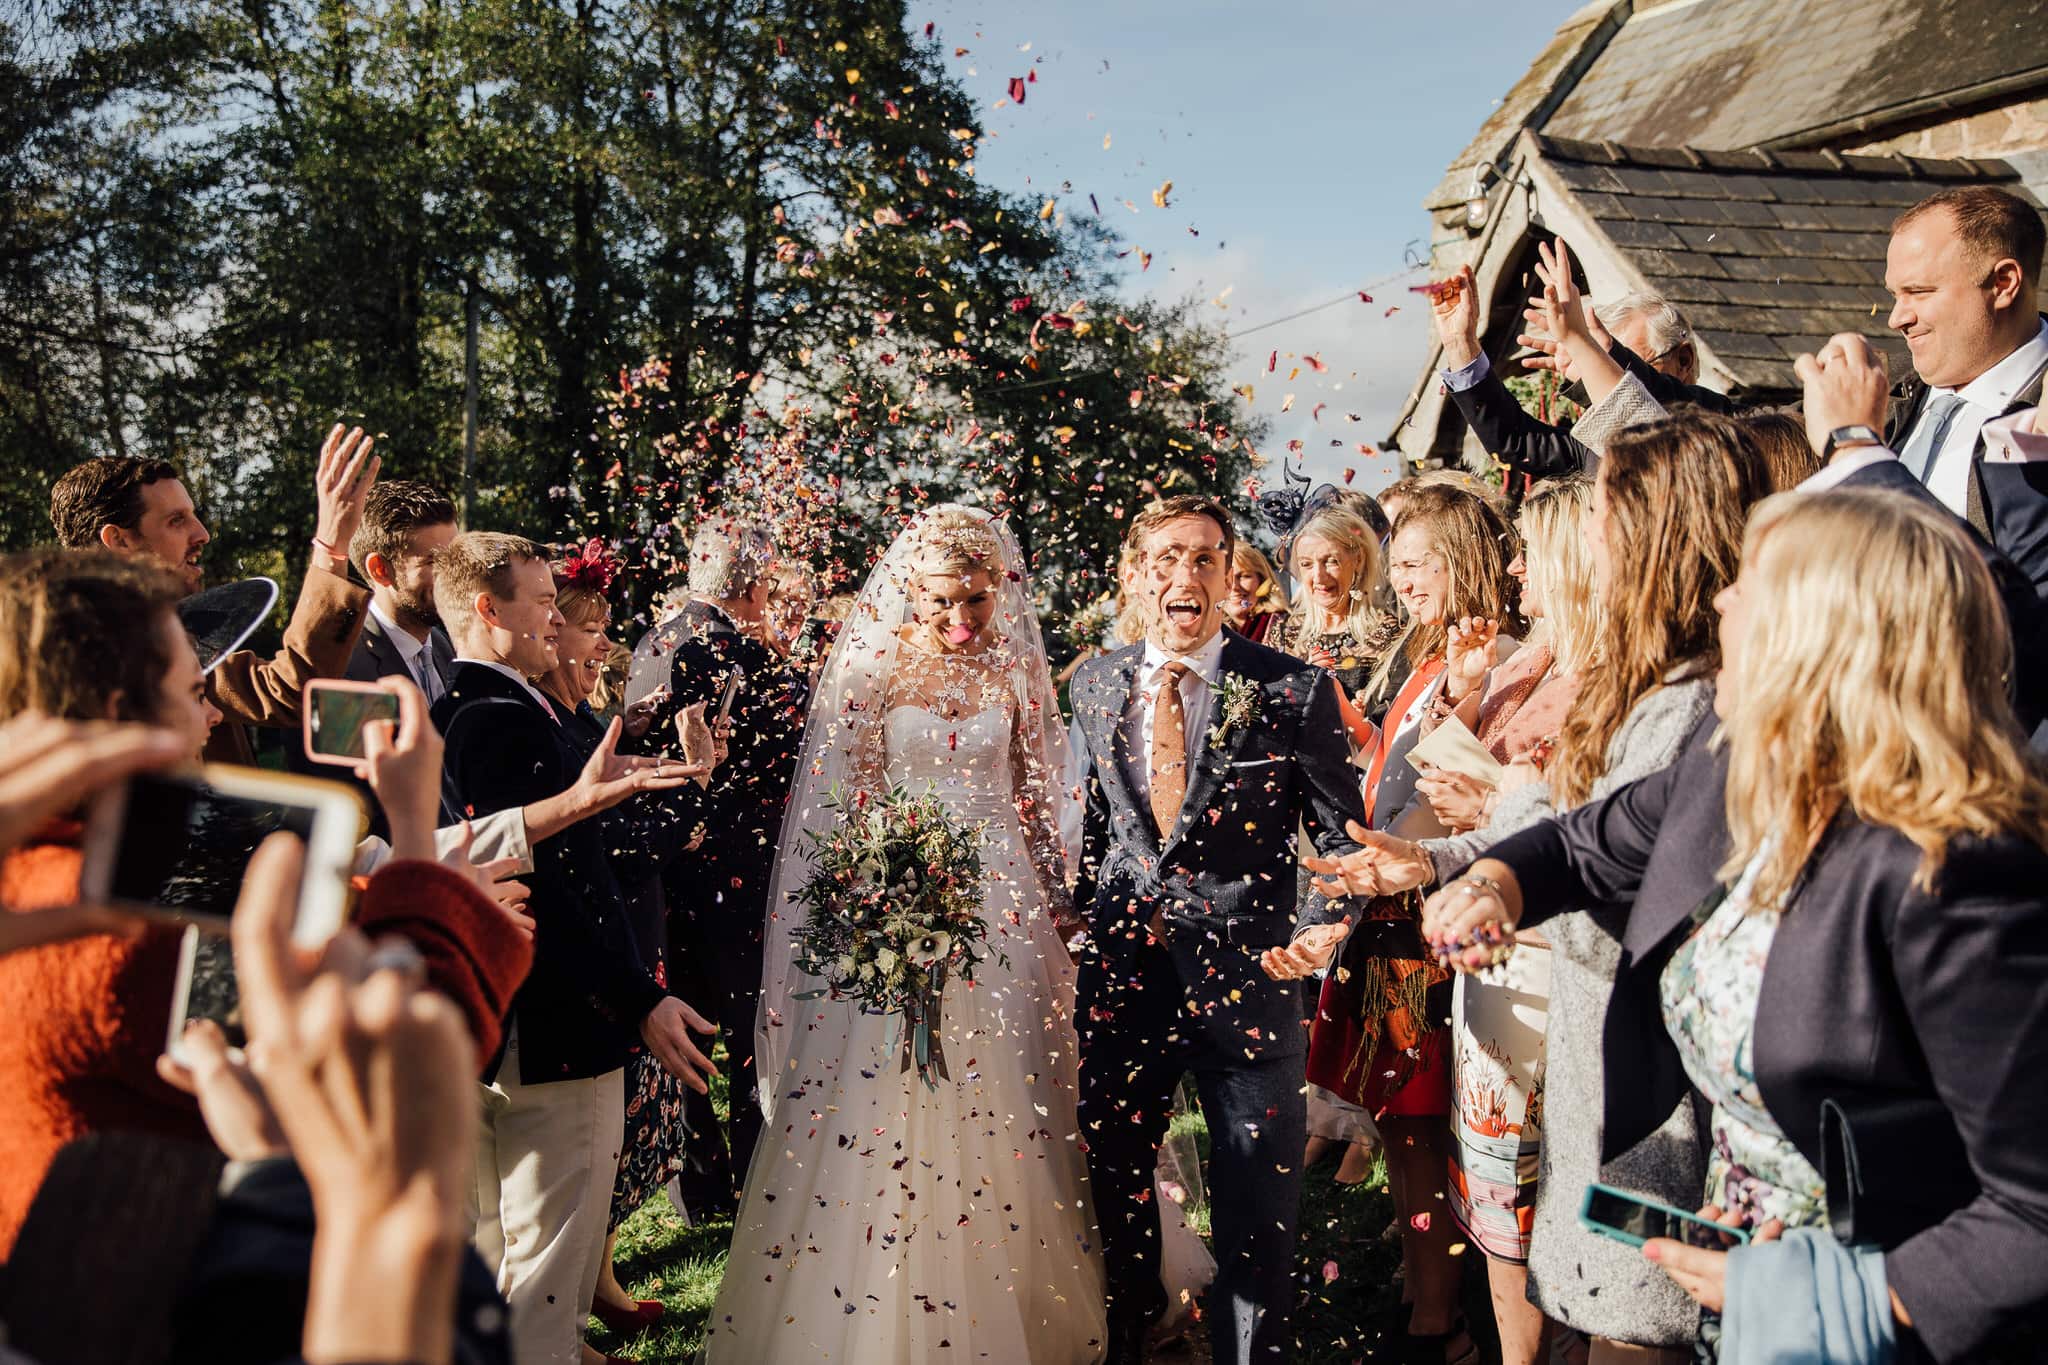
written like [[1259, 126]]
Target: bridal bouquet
[[894, 899]]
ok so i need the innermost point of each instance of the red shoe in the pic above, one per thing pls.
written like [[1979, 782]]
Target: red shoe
[[629, 1322]]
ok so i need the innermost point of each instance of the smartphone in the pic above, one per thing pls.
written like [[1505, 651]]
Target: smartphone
[[336, 712], [1634, 1220], [732, 692], [177, 845]]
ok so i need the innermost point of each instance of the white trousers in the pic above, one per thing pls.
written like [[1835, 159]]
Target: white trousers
[[546, 1160]]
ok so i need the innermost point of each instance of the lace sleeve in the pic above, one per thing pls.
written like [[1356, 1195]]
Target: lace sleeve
[[1038, 812]]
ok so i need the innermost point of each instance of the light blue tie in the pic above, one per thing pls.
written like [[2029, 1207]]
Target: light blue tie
[[1935, 420]]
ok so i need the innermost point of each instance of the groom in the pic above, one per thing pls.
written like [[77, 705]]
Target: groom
[[1205, 753]]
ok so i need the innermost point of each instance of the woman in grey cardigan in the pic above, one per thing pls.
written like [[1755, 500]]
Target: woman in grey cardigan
[[1665, 535]]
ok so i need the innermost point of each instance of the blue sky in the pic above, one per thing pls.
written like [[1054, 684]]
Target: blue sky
[[1300, 139]]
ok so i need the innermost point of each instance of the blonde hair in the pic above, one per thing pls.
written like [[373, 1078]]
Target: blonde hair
[[1554, 546], [476, 562], [954, 544], [1249, 558], [1872, 672], [1349, 531], [1676, 492], [608, 697], [1130, 605]]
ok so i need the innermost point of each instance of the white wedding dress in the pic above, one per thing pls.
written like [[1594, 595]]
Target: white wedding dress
[[885, 1222]]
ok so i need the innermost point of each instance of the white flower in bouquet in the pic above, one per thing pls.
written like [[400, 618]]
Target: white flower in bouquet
[[931, 948]]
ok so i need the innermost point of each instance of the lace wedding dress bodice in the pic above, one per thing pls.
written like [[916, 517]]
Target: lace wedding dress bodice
[[965, 762]]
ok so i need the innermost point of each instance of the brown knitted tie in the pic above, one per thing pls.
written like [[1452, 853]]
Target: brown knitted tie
[[1169, 758]]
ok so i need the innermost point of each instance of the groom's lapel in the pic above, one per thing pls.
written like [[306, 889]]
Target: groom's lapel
[[1212, 761]]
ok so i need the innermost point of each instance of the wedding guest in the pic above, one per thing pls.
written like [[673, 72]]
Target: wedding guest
[[1862, 841], [792, 592], [641, 837], [1375, 1043], [1964, 271], [553, 1097], [140, 507], [89, 635], [1255, 607], [1334, 622], [1664, 530], [1781, 437], [1498, 1025], [718, 903], [405, 524]]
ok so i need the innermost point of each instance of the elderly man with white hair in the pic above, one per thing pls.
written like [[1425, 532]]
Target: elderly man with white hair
[[718, 899], [1645, 334]]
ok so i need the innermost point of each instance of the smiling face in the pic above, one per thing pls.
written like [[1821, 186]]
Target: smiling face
[[1596, 533], [1187, 574], [406, 583], [1531, 595], [1327, 569], [1733, 606], [954, 610], [1421, 577], [169, 531], [1945, 301], [1243, 602], [580, 651], [525, 627]]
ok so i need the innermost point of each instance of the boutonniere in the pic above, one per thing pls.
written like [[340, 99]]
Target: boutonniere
[[1238, 705]]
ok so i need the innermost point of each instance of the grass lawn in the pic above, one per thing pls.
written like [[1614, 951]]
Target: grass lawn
[[1355, 1316]]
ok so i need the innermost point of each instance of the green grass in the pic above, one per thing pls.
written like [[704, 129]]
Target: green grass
[[1356, 1316]]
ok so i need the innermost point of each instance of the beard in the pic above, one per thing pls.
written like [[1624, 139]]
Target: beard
[[414, 608]]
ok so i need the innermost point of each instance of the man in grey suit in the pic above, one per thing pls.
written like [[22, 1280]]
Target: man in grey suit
[[1205, 753]]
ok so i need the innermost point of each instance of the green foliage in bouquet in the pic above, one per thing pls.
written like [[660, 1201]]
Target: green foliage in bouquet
[[894, 899]]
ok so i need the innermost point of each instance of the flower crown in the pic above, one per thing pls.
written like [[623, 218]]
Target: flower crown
[[593, 567]]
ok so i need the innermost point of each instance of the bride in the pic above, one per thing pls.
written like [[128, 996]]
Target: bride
[[884, 1221]]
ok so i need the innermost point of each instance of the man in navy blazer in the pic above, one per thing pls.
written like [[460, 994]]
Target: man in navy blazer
[[553, 1098], [1204, 754]]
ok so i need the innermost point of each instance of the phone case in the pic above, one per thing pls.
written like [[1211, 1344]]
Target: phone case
[[1587, 1221], [306, 710]]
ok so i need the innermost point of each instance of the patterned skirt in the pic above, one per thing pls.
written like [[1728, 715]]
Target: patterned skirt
[[652, 1153], [1497, 1103]]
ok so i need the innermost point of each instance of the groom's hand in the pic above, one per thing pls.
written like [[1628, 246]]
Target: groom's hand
[[1382, 866], [1310, 952]]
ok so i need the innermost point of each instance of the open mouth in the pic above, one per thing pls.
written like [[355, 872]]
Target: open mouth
[[1184, 612]]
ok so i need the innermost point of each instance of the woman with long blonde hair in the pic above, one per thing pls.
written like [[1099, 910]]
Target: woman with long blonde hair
[[1664, 531], [1334, 620], [1837, 931]]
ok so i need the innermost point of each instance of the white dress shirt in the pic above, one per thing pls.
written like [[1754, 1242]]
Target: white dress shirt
[[1831, 475], [515, 675], [410, 647], [1195, 685], [1984, 398]]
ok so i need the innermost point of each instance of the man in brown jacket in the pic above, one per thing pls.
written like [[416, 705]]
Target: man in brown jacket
[[136, 506]]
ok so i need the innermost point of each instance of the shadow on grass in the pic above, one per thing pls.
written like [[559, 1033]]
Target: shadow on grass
[[1348, 1306]]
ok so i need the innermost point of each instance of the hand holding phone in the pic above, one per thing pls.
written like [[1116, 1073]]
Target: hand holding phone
[[402, 764], [1633, 1220], [336, 713], [731, 693]]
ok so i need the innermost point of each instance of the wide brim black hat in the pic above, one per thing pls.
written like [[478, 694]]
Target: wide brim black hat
[[220, 619]]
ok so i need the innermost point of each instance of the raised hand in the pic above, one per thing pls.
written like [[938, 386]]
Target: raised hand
[[701, 748], [1847, 384], [1454, 306], [641, 713], [1561, 306], [1470, 648], [666, 1031], [1310, 952], [1382, 866], [346, 473]]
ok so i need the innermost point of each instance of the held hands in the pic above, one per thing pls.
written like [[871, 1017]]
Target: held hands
[[1847, 384], [666, 1031], [1701, 1272], [346, 473], [1470, 648], [1382, 866], [1310, 952]]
